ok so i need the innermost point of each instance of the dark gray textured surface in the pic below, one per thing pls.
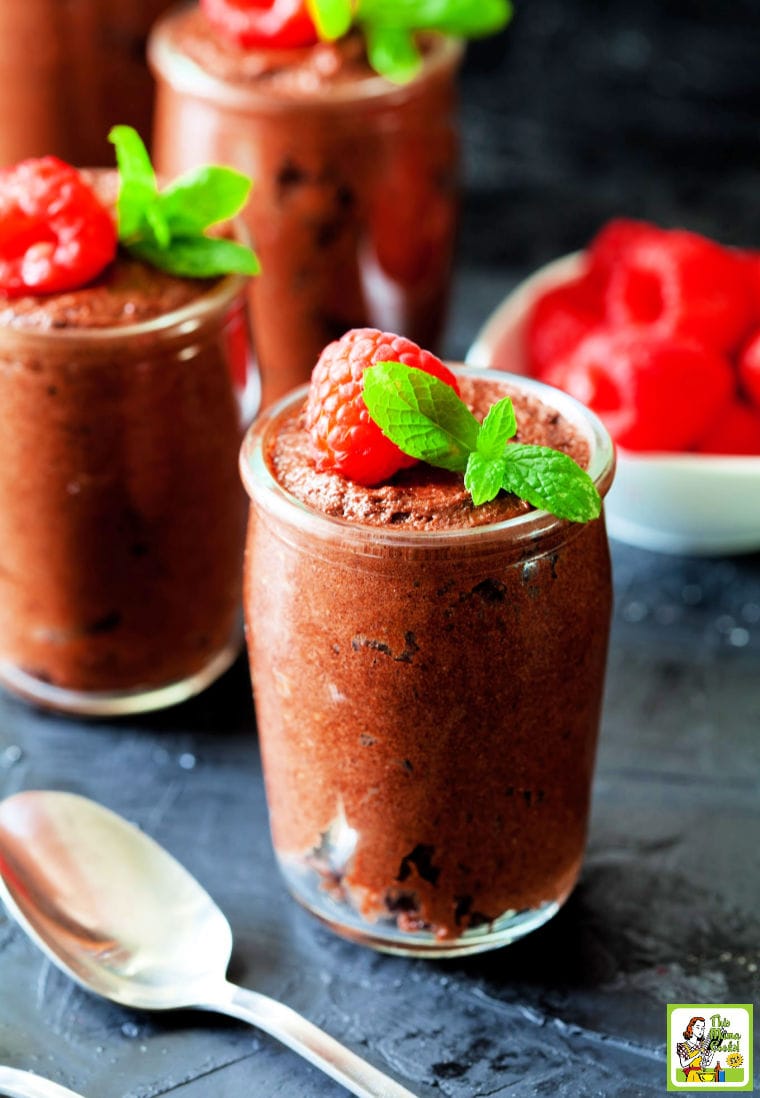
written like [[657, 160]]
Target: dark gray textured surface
[[582, 111]]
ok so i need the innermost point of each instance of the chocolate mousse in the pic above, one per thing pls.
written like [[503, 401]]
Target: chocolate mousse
[[121, 514], [127, 292], [428, 679], [355, 200]]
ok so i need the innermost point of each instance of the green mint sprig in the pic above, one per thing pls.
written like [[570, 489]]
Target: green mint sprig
[[167, 228], [389, 26], [427, 420]]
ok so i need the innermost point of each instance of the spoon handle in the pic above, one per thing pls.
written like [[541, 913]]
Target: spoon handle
[[308, 1040], [25, 1084]]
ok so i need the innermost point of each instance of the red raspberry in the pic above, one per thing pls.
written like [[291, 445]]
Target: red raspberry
[[611, 243], [280, 24], [679, 284], [560, 319], [749, 369], [343, 436], [54, 233], [651, 394], [735, 431], [752, 267]]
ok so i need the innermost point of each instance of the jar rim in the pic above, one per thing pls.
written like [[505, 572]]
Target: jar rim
[[189, 77], [264, 488], [185, 318]]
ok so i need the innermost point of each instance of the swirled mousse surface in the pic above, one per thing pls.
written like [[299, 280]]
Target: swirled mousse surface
[[420, 498], [121, 512], [427, 712]]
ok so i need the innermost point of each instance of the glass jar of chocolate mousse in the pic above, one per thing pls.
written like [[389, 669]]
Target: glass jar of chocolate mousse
[[122, 407], [71, 70], [355, 199], [428, 681]]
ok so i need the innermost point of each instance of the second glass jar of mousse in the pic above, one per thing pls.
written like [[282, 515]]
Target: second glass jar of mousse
[[428, 682], [122, 407], [355, 199]]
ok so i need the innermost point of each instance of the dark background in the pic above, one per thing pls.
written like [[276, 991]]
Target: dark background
[[581, 111]]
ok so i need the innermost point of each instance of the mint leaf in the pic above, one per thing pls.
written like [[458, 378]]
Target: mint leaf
[[552, 481], [421, 414], [156, 222], [391, 52], [199, 257], [427, 420], [166, 228], [483, 477], [389, 26], [137, 180], [332, 18], [202, 198], [132, 156], [468, 18], [546, 478], [496, 429]]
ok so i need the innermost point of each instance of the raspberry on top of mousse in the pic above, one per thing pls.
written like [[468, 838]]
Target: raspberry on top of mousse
[[281, 24], [55, 234], [343, 436], [59, 231]]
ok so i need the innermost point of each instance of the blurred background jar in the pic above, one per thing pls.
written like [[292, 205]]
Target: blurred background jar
[[355, 199], [121, 514], [70, 69]]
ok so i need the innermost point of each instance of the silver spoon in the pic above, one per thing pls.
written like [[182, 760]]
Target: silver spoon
[[25, 1084], [118, 914]]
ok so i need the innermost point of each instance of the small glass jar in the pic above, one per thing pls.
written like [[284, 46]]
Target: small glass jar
[[72, 70], [355, 199], [428, 706], [121, 514]]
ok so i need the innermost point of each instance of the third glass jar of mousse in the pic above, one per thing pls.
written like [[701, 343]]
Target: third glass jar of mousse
[[354, 205], [71, 69], [428, 681]]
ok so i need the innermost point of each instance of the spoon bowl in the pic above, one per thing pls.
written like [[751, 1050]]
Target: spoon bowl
[[113, 910], [108, 904]]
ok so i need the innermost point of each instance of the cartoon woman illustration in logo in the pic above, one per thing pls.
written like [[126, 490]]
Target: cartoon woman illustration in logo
[[696, 1053]]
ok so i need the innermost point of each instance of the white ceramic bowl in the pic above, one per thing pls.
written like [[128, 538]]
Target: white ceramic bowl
[[696, 504]]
